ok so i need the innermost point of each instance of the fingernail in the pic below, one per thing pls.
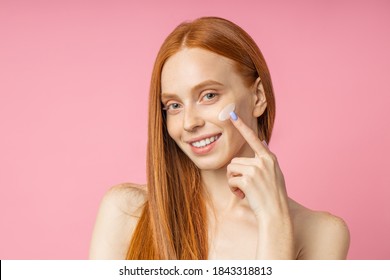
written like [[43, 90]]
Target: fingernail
[[265, 143], [225, 112], [233, 116]]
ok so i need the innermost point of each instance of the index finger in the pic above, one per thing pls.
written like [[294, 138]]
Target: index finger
[[249, 135]]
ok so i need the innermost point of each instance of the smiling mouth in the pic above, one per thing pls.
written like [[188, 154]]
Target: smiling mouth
[[205, 142]]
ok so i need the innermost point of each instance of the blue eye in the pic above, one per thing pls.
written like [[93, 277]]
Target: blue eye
[[172, 108], [210, 95]]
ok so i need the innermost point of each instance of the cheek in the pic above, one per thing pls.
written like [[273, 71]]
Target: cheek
[[244, 108], [211, 111], [173, 128]]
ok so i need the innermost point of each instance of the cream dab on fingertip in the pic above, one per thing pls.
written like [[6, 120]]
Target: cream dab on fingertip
[[225, 112]]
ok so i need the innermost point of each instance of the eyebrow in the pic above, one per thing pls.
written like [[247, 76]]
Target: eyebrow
[[194, 89]]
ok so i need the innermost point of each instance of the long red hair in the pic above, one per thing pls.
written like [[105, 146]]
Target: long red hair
[[173, 224]]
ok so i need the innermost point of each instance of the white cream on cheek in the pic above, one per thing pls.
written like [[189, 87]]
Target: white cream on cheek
[[225, 112]]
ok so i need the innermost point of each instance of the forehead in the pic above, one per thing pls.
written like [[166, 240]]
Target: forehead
[[192, 66]]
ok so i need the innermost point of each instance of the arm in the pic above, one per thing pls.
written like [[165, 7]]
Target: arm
[[275, 237], [117, 217], [261, 182]]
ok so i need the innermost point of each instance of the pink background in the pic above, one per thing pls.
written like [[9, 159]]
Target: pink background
[[74, 79]]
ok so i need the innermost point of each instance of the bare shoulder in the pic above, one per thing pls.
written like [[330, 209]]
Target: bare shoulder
[[319, 234], [116, 220], [127, 198]]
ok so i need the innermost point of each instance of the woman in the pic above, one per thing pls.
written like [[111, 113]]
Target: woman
[[214, 189]]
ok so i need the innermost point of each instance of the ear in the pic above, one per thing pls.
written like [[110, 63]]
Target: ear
[[260, 101]]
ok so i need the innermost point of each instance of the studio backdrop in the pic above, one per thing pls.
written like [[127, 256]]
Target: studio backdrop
[[74, 81]]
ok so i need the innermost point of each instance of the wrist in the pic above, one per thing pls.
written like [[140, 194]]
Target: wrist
[[271, 217]]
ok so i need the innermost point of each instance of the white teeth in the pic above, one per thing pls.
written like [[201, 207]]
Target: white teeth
[[204, 142]]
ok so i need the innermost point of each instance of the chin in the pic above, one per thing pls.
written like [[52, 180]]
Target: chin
[[211, 166], [211, 163]]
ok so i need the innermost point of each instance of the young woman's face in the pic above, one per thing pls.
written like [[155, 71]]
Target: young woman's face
[[196, 85]]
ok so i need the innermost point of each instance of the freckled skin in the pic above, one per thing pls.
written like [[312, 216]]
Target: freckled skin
[[181, 73]]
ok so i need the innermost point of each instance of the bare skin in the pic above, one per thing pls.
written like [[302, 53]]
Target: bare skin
[[317, 235], [249, 212]]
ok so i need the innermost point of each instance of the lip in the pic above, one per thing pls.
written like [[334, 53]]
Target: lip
[[206, 149], [196, 139]]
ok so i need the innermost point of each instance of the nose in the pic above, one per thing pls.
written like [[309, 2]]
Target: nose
[[192, 119]]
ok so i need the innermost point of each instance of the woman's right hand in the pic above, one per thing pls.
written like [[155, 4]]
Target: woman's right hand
[[261, 181]]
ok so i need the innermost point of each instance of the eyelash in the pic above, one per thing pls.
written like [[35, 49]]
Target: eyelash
[[167, 108]]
